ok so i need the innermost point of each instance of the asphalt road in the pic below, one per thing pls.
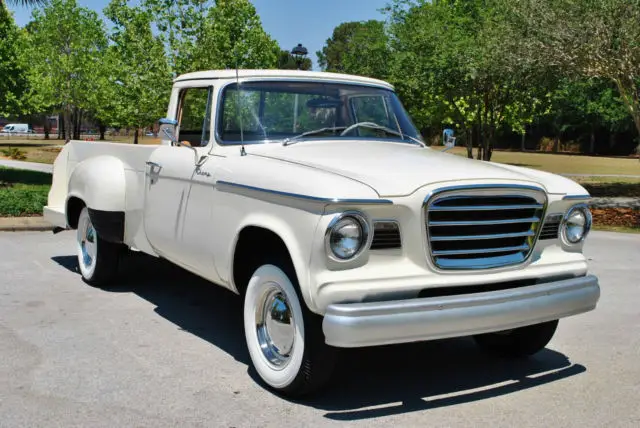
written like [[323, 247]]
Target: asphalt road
[[30, 166], [166, 349]]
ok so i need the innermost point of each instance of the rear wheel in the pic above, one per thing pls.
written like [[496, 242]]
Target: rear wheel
[[284, 338], [97, 258], [519, 342]]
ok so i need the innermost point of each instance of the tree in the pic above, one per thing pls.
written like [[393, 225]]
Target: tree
[[286, 61], [138, 80], [13, 83], [232, 36], [65, 47], [180, 23], [24, 3], [357, 48], [453, 65], [592, 38]]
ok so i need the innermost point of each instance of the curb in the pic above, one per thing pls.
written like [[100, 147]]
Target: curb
[[24, 224]]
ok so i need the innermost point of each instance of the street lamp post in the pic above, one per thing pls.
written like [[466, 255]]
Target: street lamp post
[[299, 53]]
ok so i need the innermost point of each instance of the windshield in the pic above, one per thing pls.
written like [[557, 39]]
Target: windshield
[[270, 111]]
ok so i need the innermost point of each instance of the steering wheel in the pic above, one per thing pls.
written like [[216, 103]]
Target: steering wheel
[[357, 125]]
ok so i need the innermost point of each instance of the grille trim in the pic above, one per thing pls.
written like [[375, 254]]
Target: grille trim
[[386, 235], [507, 225], [551, 227]]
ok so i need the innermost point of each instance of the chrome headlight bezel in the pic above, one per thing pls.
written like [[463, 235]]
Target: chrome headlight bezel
[[365, 241], [584, 209]]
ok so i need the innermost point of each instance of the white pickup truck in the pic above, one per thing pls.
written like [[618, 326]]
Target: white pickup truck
[[313, 197]]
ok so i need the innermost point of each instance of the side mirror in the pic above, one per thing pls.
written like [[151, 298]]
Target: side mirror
[[168, 130]]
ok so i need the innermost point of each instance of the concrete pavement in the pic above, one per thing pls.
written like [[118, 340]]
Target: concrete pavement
[[165, 348]]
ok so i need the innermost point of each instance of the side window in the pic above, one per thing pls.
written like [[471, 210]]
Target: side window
[[194, 116]]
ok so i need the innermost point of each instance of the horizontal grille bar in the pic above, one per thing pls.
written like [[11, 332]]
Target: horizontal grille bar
[[486, 207], [524, 247], [474, 237], [386, 235], [484, 222]]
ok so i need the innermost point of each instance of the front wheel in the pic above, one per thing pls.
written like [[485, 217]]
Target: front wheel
[[285, 339], [97, 258], [519, 342]]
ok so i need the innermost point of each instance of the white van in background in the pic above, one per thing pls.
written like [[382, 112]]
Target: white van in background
[[17, 128]]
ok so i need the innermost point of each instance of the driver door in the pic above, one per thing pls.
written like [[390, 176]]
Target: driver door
[[179, 188]]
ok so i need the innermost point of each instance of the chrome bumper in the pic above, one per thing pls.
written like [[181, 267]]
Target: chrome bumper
[[379, 323]]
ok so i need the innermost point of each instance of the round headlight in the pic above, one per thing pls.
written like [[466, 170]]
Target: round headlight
[[347, 236], [576, 224]]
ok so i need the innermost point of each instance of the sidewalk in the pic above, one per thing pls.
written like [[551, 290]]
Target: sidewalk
[[20, 224], [30, 166]]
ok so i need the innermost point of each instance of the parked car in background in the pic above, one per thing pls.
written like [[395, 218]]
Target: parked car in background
[[17, 128], [313, 196]]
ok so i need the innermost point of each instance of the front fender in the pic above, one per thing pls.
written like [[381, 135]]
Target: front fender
[[298, 245], [99, 182]]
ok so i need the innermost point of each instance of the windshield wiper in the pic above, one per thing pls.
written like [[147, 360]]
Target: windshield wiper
[[291, 140], [372, 125]]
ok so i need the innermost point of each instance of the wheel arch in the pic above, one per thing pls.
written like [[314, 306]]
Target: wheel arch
[[275, 240]]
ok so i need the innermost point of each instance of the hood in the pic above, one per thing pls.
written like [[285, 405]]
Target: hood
[[397, 169]]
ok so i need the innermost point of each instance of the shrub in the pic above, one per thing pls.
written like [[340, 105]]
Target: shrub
[[14, 153]]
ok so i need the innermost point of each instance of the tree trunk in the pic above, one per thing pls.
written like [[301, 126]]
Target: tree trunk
[[47, 127], [60, 127], [68, 127], [135, 137], [556, 144], [102, 129], [592, 142], [469, 136], [522, 141]]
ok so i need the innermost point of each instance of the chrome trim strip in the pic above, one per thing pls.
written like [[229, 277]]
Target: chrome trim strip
[[482, 186], [576, 197], [351, 325], [480, 237], [481, 251], [484, 222], [486, 207], [307, 197]]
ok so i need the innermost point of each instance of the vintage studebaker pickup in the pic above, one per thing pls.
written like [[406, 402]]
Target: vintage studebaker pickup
[[313, 196]]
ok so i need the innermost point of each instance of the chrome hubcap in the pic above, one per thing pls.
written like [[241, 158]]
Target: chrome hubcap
[[88, 244], [275, 326]]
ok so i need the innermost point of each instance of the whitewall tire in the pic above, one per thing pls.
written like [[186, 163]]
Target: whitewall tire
[[97, 258], [284, 339]]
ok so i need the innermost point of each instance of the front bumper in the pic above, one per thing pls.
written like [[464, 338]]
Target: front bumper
[[353, 325]]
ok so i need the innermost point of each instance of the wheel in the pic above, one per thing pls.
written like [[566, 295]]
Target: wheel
[[284, 338], [97, 258], [520, 342]]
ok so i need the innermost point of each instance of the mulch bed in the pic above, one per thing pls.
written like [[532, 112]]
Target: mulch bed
[[625, 217]]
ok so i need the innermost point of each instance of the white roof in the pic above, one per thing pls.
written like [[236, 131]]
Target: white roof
[[312, 75]]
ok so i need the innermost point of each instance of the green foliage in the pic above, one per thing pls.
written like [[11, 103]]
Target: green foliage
[[13, 80], [357, 48], [14, 153], [23, 192], [135, 79], [286, 61], [65, 46], [232, 36]]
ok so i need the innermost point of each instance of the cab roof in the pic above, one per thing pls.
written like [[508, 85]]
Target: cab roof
[[285, 74]]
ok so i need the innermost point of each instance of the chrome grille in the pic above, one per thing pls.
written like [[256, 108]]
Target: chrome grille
[[483, 227]]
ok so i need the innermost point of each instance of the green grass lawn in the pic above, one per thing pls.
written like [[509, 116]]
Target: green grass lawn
[[23, 193], [563, 163]]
